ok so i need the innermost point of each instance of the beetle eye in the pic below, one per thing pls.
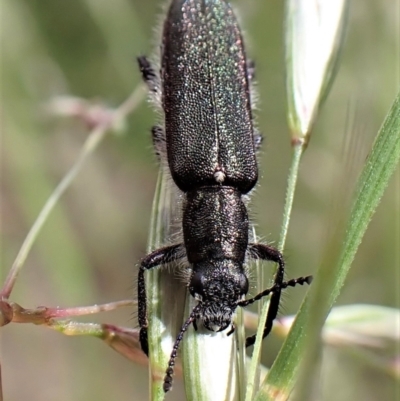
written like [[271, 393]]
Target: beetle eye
[[243, 284], [197, 284]]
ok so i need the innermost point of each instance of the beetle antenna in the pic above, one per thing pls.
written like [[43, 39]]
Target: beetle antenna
[[171, 364], [277, 287]]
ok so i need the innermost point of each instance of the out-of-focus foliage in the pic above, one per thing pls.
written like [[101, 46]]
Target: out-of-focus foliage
[[87, 251]]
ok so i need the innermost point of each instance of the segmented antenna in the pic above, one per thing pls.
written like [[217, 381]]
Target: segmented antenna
[[171, 363]]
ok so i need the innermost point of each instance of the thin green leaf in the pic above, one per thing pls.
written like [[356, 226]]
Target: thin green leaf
[[377, 171]]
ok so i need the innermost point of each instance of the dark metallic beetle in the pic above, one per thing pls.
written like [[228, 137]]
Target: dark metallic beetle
[[210, 147]]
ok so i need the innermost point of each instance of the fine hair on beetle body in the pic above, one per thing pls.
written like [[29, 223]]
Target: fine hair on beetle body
[[208, 143]]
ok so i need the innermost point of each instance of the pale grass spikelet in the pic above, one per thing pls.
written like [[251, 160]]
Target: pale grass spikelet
[[359, 325], [314, 31]]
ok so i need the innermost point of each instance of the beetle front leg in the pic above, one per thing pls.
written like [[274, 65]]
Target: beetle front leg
[[158, 257], [265, 252]]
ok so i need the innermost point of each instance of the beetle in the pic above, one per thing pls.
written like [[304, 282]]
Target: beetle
[[209, 143]]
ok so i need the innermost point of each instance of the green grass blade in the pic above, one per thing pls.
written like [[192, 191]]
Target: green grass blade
[[375, 176]]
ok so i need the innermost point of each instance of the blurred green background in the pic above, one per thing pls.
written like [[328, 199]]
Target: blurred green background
[[87, 252]]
